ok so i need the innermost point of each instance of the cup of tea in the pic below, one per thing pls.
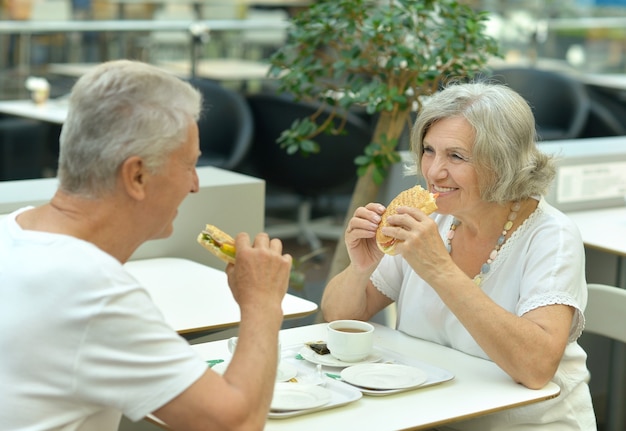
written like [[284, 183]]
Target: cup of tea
[[350, 340]]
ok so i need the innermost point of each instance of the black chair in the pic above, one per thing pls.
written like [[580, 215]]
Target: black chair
[[606, 116], [560, 103], [226, 126], [328, 174], [22, 148]]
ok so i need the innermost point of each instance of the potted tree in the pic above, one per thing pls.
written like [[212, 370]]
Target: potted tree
[[385, 56]]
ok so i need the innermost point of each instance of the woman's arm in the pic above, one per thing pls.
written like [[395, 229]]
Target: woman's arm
[[528, 348], [351, 295]]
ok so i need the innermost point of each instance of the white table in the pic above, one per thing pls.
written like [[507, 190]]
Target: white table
[[217, 69], [117, 26], [195, 298], [76, 70], [478, 387], [605, 230], [220, 69], [27, 29], [53, 111]]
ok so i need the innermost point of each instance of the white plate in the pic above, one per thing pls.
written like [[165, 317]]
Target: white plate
[[384, 376], [331, 361], [293, 396], [341, 394], [284, 373]]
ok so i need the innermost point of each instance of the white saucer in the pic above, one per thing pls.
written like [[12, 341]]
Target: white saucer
[[384, 376], [294, 396], [284, 373], [331, 361]]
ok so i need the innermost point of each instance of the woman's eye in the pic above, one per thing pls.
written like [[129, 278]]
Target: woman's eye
[[458, 157], [428, 150]]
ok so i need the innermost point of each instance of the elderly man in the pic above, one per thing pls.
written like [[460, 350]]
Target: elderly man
[[82, 342]]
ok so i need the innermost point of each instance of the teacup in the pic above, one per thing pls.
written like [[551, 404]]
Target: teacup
[[350, 340]]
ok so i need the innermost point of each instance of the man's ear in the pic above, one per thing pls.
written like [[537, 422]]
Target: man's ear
[[133, 176]]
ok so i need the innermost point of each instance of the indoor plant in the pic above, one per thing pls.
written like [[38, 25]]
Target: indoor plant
[[383, 55]]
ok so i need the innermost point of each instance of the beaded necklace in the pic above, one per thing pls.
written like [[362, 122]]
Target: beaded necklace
[[486, 267]]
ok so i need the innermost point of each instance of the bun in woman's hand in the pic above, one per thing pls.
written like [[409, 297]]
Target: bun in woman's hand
[[415, 197]]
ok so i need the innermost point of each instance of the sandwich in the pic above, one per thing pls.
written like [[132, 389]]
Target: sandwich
[[415, 197], [218, 242]]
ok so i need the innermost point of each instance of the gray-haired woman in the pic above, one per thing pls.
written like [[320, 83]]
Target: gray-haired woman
[[496, 272]]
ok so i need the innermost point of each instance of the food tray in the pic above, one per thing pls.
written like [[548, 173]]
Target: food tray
[[436, 375]]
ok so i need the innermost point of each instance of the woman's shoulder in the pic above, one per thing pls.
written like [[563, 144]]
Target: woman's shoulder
[[549, 218]]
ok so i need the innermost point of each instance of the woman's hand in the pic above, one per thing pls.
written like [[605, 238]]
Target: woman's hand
[[419, 241], [360, 237], [351, 294]]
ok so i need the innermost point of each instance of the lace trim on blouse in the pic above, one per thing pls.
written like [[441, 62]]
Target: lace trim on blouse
[[558, 298]]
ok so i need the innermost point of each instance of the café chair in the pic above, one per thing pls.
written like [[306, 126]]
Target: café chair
[[602, 122], [328, 176], [225, 126], [560, 103], [605, 315], [606, 116], [22, 148]]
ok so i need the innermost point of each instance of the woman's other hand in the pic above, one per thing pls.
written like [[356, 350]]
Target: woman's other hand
[[360, 237]]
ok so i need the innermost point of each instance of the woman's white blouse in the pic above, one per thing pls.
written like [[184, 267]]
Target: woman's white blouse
[[542, 263]]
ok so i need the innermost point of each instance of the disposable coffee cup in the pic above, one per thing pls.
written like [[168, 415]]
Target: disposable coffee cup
[[350, 340], [39, 89], [40, 95]]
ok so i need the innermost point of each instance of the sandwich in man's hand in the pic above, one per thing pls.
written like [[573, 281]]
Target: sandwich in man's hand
[[218, 242]]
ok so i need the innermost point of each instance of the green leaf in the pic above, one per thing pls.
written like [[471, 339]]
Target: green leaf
[[380, 56]]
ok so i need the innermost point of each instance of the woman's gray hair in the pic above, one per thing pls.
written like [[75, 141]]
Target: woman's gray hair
[[121, 109], [508, 162]]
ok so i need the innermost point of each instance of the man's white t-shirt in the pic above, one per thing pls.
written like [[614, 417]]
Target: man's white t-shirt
[[82, 342]]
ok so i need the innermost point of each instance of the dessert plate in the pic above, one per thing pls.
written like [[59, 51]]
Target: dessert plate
[[384, 376], [294, 396], [331, 361]]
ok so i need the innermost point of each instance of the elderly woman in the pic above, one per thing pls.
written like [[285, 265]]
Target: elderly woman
[[497, 272]]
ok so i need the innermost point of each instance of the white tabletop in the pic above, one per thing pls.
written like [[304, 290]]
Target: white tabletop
[[478, 387], [41, 27], [603, 229], [218, 69], [195, 297], [76, 70], [53, 111]]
